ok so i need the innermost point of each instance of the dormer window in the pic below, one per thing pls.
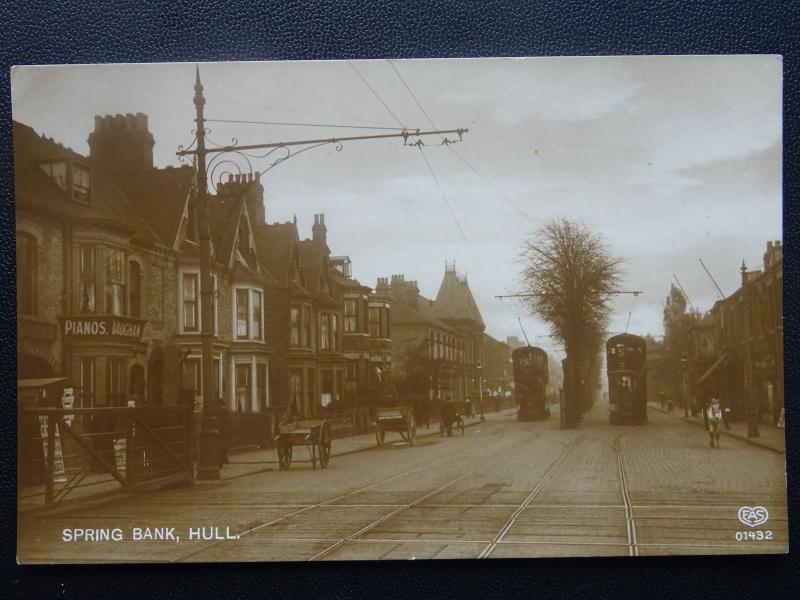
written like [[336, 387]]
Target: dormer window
[[80, 183], [72, 177], [57, 171]]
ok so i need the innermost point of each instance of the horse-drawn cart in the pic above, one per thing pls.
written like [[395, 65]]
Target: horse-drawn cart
[[451, 417], [399, 419], [314, 434]]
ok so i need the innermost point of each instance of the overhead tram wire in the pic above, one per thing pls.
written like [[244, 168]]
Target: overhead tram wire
[[289, 124], [450, 147], [447, 203], [422, 152], [375, 93]]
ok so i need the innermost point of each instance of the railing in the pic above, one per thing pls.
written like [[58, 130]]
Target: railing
[[91, 449]]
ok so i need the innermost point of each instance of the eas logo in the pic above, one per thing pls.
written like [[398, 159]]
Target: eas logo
[[753, 516]]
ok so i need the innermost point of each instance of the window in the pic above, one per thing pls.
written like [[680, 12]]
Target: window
[[192, 375], [258, 332], [243, 388], [57, 171], [115, 284], [26, 274], [217, 373], [114, 388], [261, 386], [242, 310], [80, 183], [294, 326], [214, 303], [374, 321], [296, 391], [350, 315], [324, 331], [306, 326], [88, 278], [72, 174], [135, 289], [334, 331], [87, 382], [191, 306]]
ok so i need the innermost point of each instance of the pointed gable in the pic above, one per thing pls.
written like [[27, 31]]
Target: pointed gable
[[455, 298]]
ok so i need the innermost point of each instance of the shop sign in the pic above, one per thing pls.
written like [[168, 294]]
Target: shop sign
[[103, 327]]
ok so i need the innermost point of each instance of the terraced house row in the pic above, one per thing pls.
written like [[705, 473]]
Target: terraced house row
[[108, 285]]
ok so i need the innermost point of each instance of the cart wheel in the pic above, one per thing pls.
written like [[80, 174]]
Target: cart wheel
[[380, 435], [324, 445], [284, 456], [412, 433]]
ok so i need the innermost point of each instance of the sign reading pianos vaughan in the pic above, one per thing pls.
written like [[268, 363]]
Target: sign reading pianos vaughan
[[102, 327]]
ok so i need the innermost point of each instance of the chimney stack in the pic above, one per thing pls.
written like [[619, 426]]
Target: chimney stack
[[122, 144], [319, 231]]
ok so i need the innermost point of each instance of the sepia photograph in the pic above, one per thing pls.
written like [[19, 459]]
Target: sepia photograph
[[399, 309]]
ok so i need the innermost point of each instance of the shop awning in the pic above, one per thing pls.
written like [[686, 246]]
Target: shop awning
[[39, 382], [711, 369]]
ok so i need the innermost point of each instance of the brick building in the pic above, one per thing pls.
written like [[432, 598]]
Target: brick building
[[738, 346], [448, 330], [94, 291]]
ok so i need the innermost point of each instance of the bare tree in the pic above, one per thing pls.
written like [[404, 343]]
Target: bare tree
[[570, 276]]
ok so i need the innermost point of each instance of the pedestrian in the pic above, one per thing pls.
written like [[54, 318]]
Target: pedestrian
[[224, 429], [714, 418]]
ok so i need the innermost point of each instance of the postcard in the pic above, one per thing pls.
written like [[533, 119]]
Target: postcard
[[399, 309]]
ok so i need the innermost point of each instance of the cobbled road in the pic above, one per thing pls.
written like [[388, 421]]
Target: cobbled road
[[504, 489]]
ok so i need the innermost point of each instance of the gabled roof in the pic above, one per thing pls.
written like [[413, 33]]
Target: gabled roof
[[455, 299], [424, 313], [160, 197], [35, 188], [347, 282], [274, 243]]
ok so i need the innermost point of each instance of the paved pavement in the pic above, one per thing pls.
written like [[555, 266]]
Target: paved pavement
[[770, 436], [503, 489]]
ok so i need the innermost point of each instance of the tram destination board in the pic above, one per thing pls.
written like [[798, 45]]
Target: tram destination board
[[399, 309]]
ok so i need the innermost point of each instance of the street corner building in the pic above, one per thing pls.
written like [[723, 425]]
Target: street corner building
[[108, 292]]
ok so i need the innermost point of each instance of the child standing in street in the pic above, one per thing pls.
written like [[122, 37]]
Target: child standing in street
[[714, 414]]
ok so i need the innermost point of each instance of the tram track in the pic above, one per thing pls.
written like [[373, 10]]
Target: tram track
[[354, 536], [554, 467], [630, 521], [294, 513]]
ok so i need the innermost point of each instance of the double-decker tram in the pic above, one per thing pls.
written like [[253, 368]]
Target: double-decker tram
[[626, 364], [530, 382]]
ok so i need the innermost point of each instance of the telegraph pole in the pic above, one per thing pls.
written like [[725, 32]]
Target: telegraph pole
[[207, 463]]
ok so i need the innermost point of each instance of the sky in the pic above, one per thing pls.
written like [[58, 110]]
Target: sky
[[669, 159]]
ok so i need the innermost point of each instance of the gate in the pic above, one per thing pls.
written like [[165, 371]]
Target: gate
[[61, 450]]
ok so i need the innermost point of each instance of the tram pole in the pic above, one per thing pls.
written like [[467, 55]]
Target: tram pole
[[208, 459], [751, 408]]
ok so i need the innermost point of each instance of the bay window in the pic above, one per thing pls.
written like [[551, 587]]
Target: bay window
[[242, 312], [191, 304], [350, 315], [88, 278], [294, 326]]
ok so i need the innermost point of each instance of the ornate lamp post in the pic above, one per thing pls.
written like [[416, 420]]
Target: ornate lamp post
[[208, 465]]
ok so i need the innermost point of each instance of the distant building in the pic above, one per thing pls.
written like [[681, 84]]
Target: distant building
[[741, 341], [497, 372], [514, 342]]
